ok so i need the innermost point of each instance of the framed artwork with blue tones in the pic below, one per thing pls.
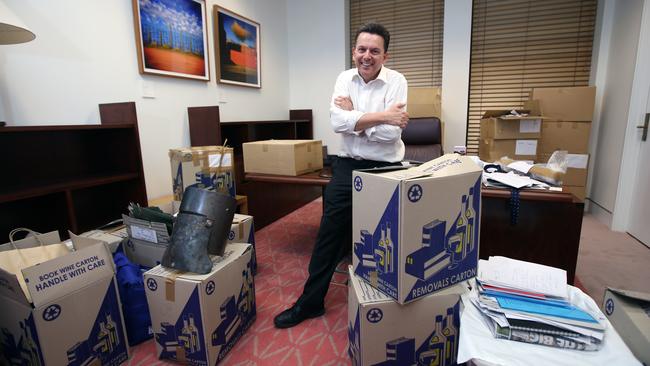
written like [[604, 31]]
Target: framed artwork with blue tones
[[237, 41], [171, 37]]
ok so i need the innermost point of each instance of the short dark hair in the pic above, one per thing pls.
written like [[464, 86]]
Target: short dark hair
[[375, 28]]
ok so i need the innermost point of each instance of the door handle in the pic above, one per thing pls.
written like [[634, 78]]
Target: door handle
[[645, 127]]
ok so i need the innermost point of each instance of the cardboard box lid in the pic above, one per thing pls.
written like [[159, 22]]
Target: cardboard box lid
[[636, 295], [232, 253], [282, 142], [61, 276], [446, 165], [505, 115]]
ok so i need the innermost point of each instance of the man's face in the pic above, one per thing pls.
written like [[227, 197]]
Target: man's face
[[369, 55]]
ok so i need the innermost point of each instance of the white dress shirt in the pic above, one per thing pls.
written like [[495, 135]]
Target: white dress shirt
[[381, 142]]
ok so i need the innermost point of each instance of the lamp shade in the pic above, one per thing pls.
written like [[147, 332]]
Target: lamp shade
[[12, 29]]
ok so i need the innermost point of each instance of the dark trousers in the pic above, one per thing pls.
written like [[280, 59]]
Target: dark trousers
[[334, 238]]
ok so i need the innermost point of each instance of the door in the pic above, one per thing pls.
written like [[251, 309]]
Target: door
[[640, 210]]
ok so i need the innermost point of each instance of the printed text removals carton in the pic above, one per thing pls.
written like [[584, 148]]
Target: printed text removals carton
[[198, 318], [416, 231], [74, 317], [383, 332]]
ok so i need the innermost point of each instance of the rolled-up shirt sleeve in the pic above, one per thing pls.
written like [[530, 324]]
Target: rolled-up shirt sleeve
[[397, 93], [343, 121]]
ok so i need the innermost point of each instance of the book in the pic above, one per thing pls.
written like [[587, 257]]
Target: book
[[538, 327]]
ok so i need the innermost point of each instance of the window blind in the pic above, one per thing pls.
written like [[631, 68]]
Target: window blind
[[415, 27], [518, 45]]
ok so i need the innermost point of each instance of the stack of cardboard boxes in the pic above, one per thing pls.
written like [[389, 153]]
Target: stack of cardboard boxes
[[568, 112], [411, 260], [506, 134]]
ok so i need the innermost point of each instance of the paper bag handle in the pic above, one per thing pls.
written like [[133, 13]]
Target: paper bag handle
[[17, 230]]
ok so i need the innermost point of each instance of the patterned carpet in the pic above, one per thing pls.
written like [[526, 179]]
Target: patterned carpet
[[283, 251]]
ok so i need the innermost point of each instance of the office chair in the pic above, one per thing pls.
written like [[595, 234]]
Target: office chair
[[422, 138]]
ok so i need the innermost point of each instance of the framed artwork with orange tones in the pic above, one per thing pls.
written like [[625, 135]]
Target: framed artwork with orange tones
[[171, 37], [237, 41]]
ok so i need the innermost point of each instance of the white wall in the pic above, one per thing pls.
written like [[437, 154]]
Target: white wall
[[317, 54], [619, 40], [85, 54]]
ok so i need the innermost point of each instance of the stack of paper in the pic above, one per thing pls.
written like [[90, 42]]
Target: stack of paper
[[529, 302]]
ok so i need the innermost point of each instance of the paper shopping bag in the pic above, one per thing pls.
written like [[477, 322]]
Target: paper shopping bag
[[16, 259]]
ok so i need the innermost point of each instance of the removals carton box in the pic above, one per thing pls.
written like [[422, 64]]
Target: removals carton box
[[198, 318], [492, 150], [500, 125], [202, 167], [564, 135], [74, 316], [416, 231], [629, 313], [383, 332], [566, 103], [283, 157]]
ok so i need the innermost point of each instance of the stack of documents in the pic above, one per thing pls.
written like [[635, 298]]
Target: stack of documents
[[529, 302]]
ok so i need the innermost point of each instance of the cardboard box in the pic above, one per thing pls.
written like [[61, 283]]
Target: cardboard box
[[424, 102], [629, 313], [579, 191], [492, 150], [283, 157], [577, 169], [242, 230], [416, 231], [382, 332], [198, 318], [498, 125], [570, 136], [74, 317], [148, 240], [566, 104], [203, 167]]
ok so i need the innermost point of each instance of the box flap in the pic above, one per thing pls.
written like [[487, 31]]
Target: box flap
[[60, 276], [151, 231], [446, 165], [505, 114], [365, 293], [232, 252], [10, 287], [631, 294], [281, 142]]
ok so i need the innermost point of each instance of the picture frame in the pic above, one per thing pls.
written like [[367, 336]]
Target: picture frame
[[237, 44], [172, 38]]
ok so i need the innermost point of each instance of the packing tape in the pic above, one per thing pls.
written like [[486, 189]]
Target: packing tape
[[241, 230], [180, 354], [170, 289]]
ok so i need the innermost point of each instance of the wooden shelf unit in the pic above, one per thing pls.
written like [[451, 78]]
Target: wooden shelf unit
[[71, 177], [266, 204]]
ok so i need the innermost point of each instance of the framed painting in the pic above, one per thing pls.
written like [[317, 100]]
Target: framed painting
[[237, 41], [171, 37]]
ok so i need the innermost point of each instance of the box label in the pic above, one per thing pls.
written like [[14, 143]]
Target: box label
[[530, 125], [216, 160], [145, 234], [526, 147]]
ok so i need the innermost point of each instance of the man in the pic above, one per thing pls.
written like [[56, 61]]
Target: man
[[368, 110]]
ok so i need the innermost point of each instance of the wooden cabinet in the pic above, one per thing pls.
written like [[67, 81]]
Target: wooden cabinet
[[72, 177], [266, 204]]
